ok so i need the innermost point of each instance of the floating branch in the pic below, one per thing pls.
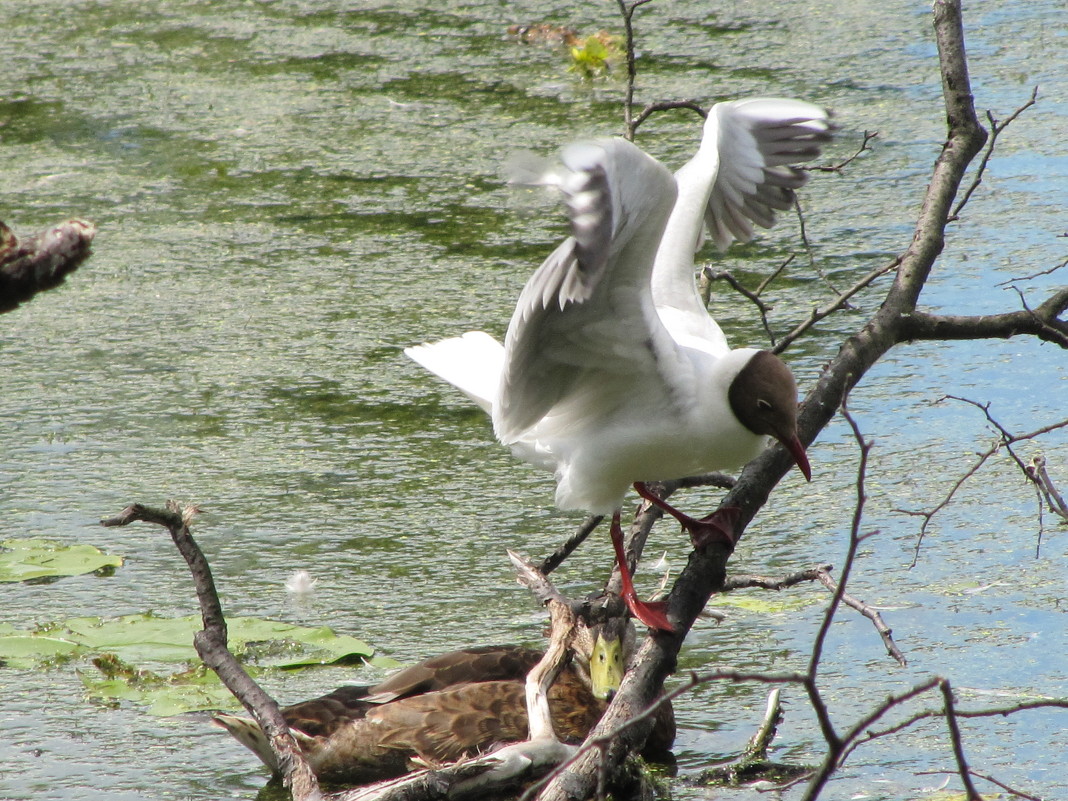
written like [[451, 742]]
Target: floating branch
[[41, 261]]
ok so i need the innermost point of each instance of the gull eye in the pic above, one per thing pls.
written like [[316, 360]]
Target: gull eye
[[763, 405]]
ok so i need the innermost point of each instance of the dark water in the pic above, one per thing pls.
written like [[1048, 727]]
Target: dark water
[[288, 193]]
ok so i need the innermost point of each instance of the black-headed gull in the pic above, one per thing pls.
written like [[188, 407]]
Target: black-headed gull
[[593, 384]]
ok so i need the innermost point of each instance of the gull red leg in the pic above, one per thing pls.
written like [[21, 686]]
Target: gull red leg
[[716, 527], [651, 613]]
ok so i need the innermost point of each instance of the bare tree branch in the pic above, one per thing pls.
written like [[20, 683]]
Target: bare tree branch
[[667, 105], [958, 746], [840, 166], [708, 276], [211, 645], [839, 303], [706, 569], [934, 714], [859, 733], [556, 558], [802, 231], [1043, 322], [885, 632], [1033, 276], [627, 9], [995, 130], [740, 582], [1005, 441], [1036, 471]]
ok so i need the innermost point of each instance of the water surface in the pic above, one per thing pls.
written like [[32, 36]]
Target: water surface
[[289, 193]]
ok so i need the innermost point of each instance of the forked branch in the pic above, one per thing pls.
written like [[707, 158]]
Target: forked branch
[[212, 647]]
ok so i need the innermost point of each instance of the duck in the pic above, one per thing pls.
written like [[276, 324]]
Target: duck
[[592, 382], [453, 706]]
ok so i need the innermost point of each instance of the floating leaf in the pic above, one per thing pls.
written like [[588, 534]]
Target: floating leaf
[[147, 638], [23, 560], [187, 691], [123, 645], [24, 650]]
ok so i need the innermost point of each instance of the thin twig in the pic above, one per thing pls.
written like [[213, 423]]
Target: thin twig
[[839, 303], [627, 10], [958, 746], [709, 276], [1033, 276], [667, 105], [1036, 471], [810, 252], [840, 166], [885, 632], [856, 735], [995, 130], [764, 582], [556, 558], [1005, 441], [836, 744], [934, 714]]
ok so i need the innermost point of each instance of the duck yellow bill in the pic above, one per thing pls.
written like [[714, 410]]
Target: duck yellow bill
[[606, 666]]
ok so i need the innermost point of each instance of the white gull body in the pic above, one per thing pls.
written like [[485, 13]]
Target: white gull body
[[591, 384]]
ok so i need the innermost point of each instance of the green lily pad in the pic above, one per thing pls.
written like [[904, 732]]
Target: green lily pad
[[192, 690], [147, 638], [23, 560], [25, 650], [123, 645]]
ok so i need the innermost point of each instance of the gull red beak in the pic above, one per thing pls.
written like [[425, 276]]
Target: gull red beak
[[797, 450]]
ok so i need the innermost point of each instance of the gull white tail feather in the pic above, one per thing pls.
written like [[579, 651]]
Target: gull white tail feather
[[471, 363]]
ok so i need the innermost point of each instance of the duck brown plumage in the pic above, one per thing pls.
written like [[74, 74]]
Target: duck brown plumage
[[451, 706]]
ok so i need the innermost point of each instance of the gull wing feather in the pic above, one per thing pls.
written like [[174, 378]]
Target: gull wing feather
[[757, 140], [740, 176], [586, 315]]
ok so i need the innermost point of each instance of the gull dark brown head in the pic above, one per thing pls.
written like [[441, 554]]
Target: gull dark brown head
[[763, 396]]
